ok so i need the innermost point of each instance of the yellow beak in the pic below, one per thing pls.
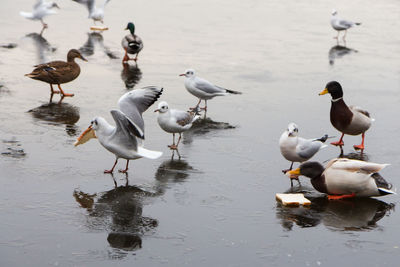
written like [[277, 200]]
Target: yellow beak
[[324, 92], [293, 173]]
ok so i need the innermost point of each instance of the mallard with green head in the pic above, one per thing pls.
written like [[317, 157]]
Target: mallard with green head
[[131, 43], [58, 72], [343, 178], [350, 120]]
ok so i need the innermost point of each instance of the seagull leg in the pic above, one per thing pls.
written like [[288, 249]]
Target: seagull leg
[[344, 36], [361, 146], [44, 24], [126, 168], [195, 108], [290, 168], [340, 142], [173, 146], [205, 106], [112, 169], [62, 92], [179, 139], [337, 36]]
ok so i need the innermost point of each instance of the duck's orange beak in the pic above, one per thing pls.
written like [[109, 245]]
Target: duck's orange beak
[[85, 136], [293, 173], [324, 92]]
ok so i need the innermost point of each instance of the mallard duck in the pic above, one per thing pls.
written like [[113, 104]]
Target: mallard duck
[[40, 10], [350, 120], [298, 149], [340, 24], [174, 121], [131, 43], [203, 89], [58, 72], [343, 178]]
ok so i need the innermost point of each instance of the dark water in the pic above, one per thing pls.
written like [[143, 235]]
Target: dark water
[[216, 205]]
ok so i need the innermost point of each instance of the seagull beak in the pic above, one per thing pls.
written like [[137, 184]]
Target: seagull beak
[[294, 173], [183, 74], [324, 92], [85, 136], [157, 110]]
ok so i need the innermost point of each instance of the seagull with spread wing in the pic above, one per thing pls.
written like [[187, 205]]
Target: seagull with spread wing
[[96, 13]]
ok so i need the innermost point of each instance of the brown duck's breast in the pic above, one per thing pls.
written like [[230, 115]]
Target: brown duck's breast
[[341, 115]]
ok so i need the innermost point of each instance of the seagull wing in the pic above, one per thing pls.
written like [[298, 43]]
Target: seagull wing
[[126, 132], [207, 87]]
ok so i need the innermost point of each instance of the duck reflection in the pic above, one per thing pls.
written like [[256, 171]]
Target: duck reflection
[[339, 51], [357, 214], [43, 47], [62, 113], [119, 211], [130, 75], [95, 39], [203, 126]]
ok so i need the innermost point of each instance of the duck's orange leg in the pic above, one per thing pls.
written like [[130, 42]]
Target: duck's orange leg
[[126, 57], [338, 197], [52, 90], [62, 92], [362, 144], [340, 142]]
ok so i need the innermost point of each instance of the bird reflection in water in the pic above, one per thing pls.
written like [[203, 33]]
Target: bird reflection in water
[[95, 39], [62, 113], [120, 212], [43, 47], [203, 126], [358, 214], [130, 75], [339, 51]]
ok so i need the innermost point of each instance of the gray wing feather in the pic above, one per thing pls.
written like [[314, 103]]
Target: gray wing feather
[[125, 127], [182, 117], [208, 87], [345, 23], [308, 148], [137, 101]]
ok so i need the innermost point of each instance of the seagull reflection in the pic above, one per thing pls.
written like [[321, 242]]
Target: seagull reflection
[[95, 39], [358, 214], [62, 113], [130, 75], [339, 51], [120, 212], [43, 47], [203, 126]]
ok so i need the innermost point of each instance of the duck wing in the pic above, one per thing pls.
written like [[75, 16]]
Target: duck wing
[[360, 110], [352, 165]]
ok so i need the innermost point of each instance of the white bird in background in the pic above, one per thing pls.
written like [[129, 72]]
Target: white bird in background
[[203, 89], [95, 13], [298, 149], [340, 24], [174, 121], [40, 10], [125, 140]]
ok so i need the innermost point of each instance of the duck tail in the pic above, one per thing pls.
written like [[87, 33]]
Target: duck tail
[[384, 191]]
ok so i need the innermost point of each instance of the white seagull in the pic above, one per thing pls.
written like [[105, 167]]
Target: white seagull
[[40, 10], [298, 149], [125, 140], [203, 89], [174, 121], [341, 24], [95, 13]]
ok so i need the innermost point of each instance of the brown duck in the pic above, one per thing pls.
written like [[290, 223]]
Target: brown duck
[[58, 72], [350, 120]]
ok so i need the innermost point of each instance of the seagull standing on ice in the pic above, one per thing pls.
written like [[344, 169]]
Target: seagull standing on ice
[[40, 10], [298, 149], [340, 24], [174, 121], [203, 89], [95, 13], [125, 140]]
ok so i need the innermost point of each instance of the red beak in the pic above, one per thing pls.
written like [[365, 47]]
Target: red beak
[[183, 74]]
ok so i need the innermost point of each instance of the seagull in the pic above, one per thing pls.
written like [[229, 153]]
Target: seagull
[[298, 149], [125, 140], [131, 43], [203, 89], [40, 10], [174, 121], [341, 24], [95, 13]]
